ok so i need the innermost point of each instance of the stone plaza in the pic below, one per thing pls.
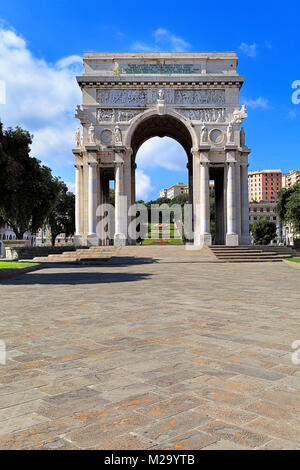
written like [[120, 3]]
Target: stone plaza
[[157, 355]]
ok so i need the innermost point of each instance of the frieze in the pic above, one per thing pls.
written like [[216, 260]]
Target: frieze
[[116, 115], [138, 97], [204, 114]]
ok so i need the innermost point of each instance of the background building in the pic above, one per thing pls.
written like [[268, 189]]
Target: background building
[[175, 190], [264, 185], [291, 178], [265, 210], [7, 233]]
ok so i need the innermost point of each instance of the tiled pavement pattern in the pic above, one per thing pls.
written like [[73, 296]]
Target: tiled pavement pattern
[[156, 356]]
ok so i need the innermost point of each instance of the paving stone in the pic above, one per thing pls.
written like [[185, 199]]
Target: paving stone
[[225, 413], [238, 435], [173, 426], [274, 428], [88, 346], [101, 434], [194, 440]]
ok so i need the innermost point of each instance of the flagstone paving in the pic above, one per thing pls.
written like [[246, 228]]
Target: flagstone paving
[[151, 356]]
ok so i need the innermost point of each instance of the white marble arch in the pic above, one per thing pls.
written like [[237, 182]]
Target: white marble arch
[[120, 101]]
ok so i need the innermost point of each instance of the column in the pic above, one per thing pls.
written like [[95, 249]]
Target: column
[[238, 199], [232, 238], [196, 196], [204, 212], [92, 199], [245, 235], [119, 237], [77, 199]]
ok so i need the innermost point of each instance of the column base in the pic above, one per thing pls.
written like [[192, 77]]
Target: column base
[[203, 239], [78, 240], [92, 240], [232, 239], [245, 240], [120, 239]]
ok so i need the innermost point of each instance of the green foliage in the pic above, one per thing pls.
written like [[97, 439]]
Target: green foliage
[[27, 188], [288, 206], [263, 231], [61, 218]]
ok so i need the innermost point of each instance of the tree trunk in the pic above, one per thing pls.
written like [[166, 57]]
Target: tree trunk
[[53, 237]]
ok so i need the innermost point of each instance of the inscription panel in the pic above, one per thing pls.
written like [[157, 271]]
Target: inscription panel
[[160, 69], [138, 97]]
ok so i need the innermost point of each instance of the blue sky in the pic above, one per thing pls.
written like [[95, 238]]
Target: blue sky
[[41, 43]]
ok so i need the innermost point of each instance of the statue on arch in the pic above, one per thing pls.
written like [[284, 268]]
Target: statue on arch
[[230, 133], [117, 136], [91, 133], [161, 94], [78, 138], [204, 134]]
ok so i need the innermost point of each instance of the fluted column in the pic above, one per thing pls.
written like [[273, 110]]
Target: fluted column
[[196, 196], [245, 235], [92, 199], [77, 200], [231, 236], [204, 212], [238, 199], [119, 237]]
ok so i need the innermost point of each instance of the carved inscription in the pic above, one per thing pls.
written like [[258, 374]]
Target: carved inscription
[[160, 69], [138, 97], [204, 114]]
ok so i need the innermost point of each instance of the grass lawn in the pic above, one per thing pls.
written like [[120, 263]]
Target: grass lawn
[[296, 260], [14, 265], [156, 235]]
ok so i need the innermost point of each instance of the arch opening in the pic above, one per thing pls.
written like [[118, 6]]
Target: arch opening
[[162, 126]]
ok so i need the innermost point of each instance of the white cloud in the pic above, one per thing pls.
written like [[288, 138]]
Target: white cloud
[[163, 40], [260, 102], [162, 152], [40, 97], [143, 185], [249, 49], [141, 47], [176, 43], [71, 186]]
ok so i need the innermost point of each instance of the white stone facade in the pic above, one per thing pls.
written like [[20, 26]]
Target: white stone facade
[[191, 97]]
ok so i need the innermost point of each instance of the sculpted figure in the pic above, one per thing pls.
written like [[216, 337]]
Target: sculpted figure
[[117, 135], [77, 138], [230, 133], [91, 134], [161, 94], [204, 134]]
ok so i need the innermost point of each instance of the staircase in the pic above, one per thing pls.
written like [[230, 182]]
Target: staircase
[[82, 255], [251, 254]]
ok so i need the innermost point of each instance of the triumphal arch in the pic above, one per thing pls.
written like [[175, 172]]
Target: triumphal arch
[[128, 98]]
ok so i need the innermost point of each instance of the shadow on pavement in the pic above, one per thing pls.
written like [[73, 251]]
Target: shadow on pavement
[[73, 278]]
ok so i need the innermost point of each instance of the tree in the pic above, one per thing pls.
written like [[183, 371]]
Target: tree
[[263, 231], [288, 206], [61, 219], [27, 188]]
